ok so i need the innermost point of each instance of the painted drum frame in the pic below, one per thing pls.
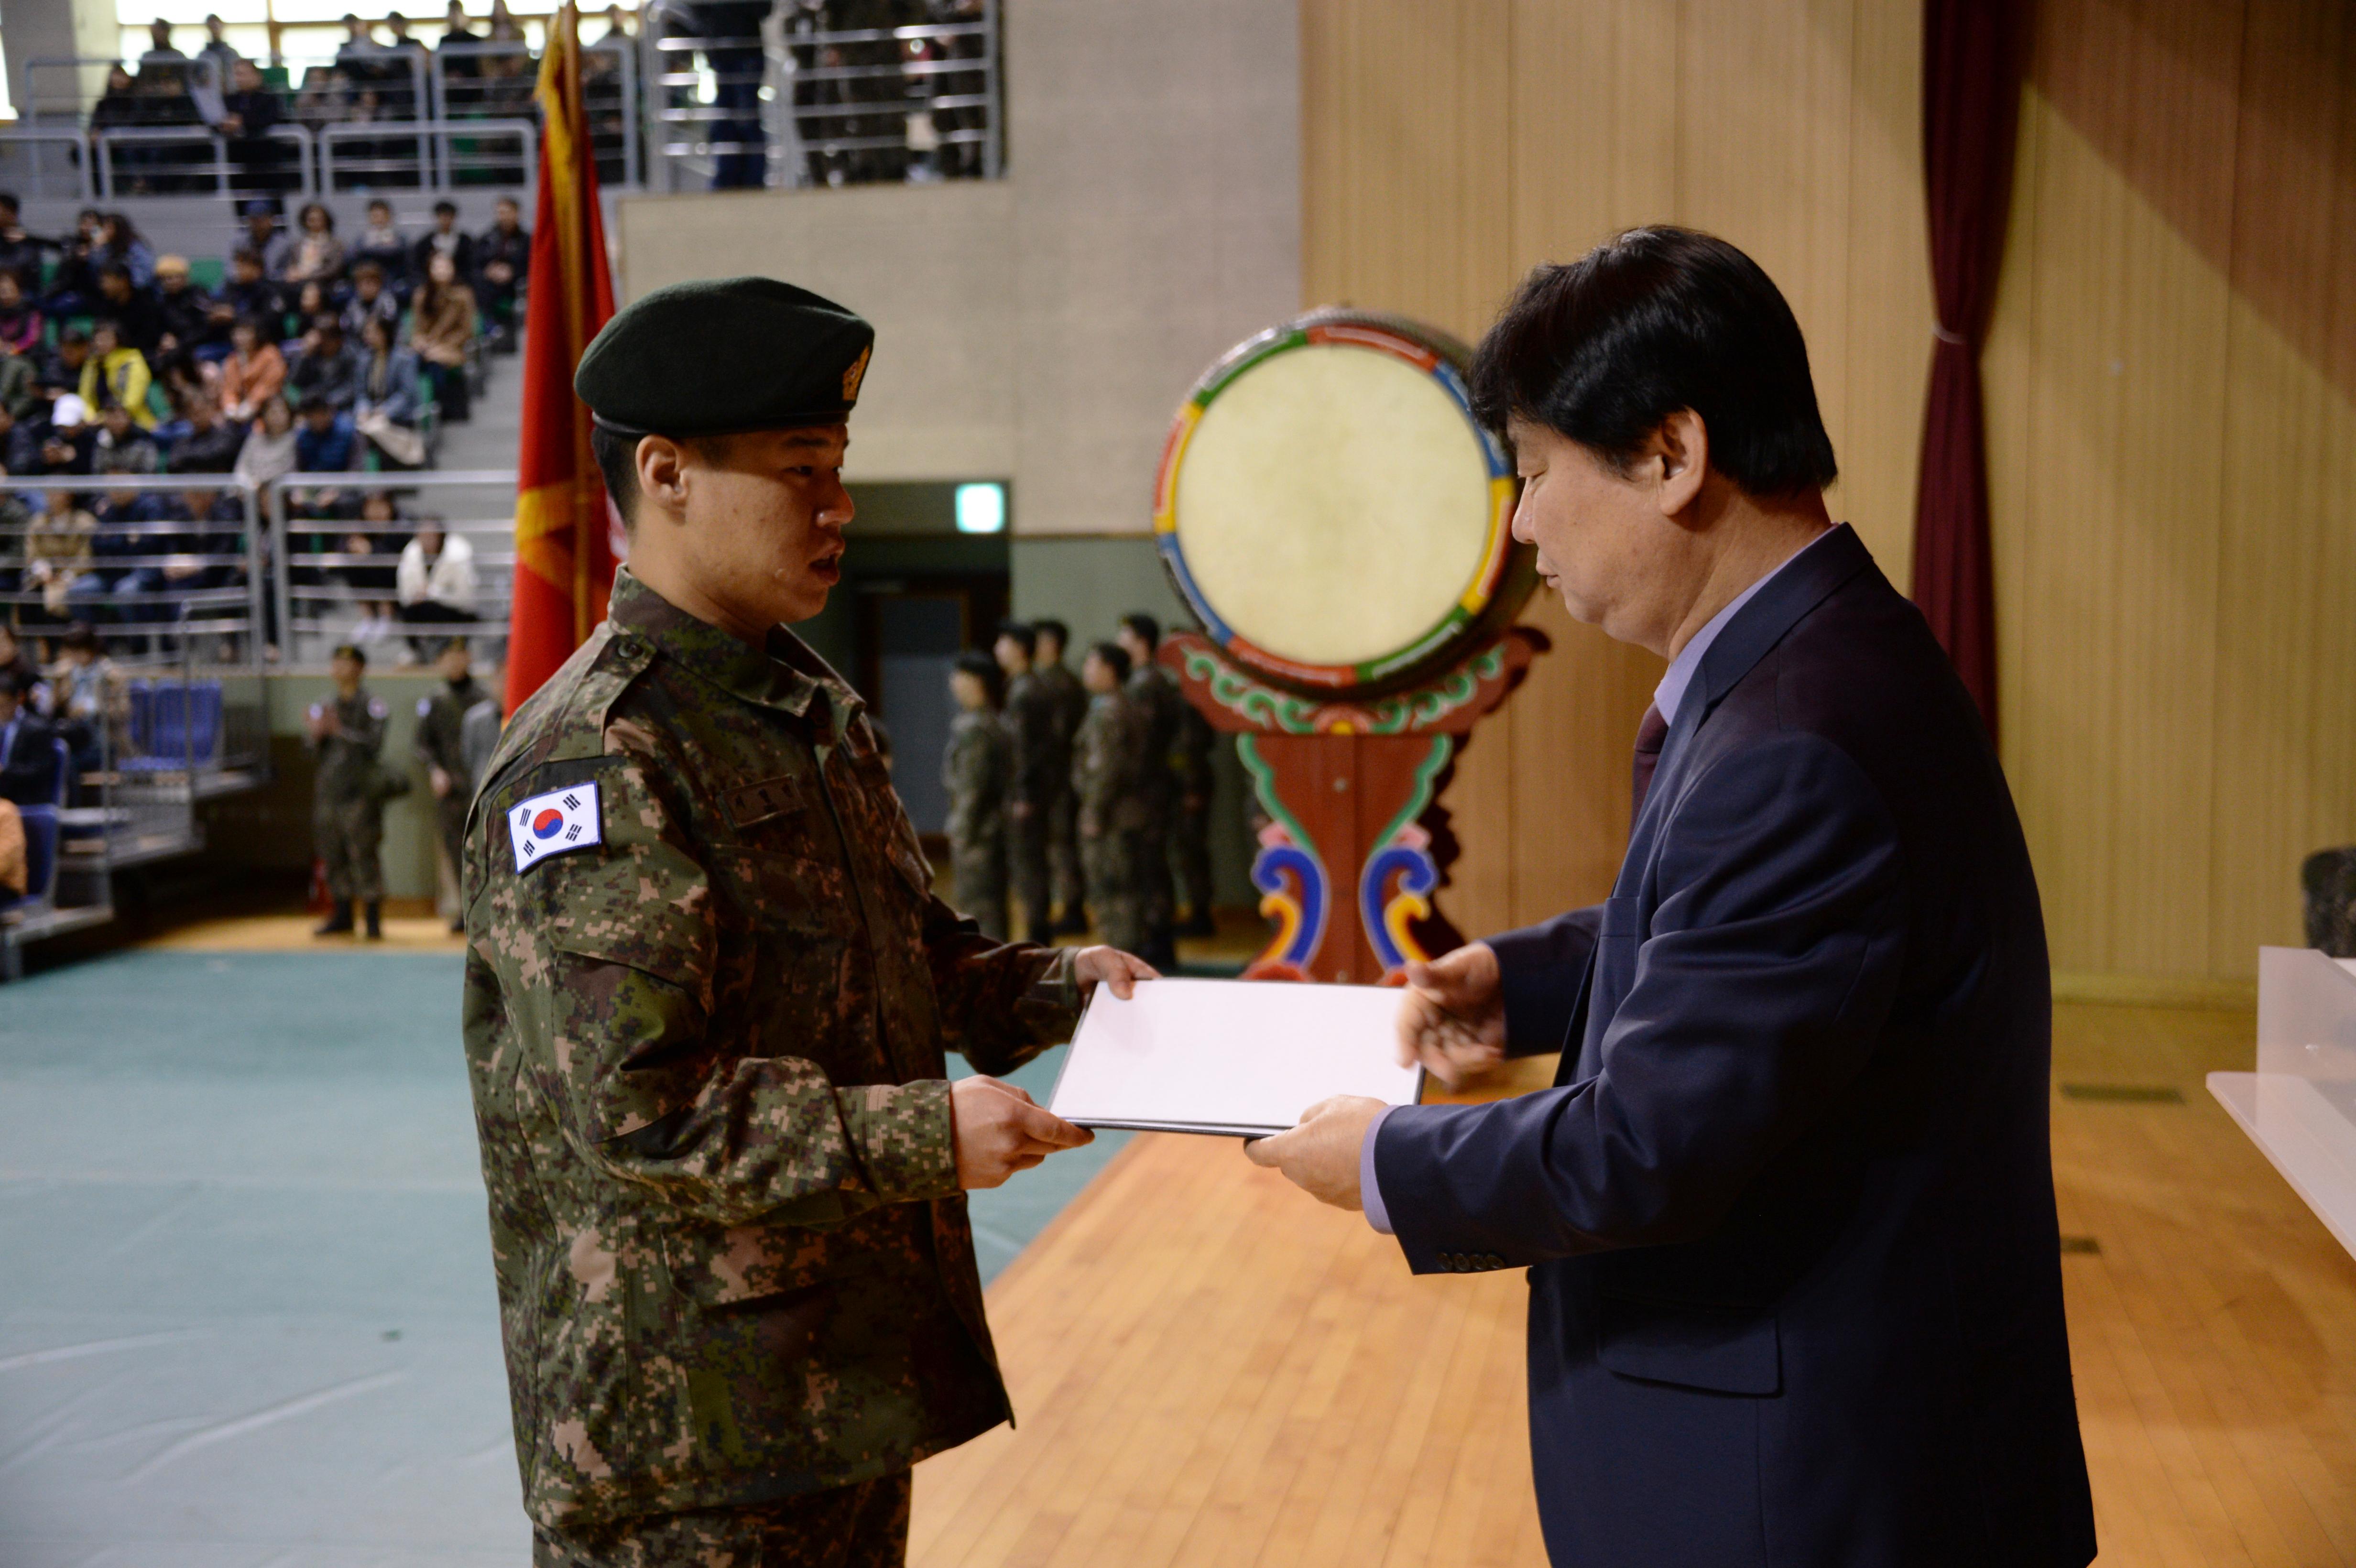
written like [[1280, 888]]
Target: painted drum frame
[[1488, 603]]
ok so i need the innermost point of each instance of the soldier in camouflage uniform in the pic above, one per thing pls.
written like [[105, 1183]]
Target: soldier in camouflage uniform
[[1159, 708], [442, 747], [708, 996], [1043, 770], [979, 769], [1106, 755], [1191, 827], [1049, 638], [346, 812]]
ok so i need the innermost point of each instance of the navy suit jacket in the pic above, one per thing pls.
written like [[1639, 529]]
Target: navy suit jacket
[[1795, 1293]]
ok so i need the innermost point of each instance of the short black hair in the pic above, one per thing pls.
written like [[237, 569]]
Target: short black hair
[[80, 639], [7, 201], [114, 269], [443, 206], [1022, 634], [73, 335], [616, 455], [1144, 627], [350, 651], [316, 404], [11, 687], [1604, 349], [1044, 627], [984, 668], [1115, 655]]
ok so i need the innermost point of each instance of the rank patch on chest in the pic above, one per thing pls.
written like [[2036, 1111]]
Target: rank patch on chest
[[550, 825]]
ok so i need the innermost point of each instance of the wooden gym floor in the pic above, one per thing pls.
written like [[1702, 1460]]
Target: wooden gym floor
[[1209, 1369]]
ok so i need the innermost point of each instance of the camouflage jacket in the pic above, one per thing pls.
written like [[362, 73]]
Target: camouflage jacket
[[346, 757], [441, 725], [1106, 755], [705, 1039], [979, 770], [1071, 700], [1041, 751], [1159, 707]]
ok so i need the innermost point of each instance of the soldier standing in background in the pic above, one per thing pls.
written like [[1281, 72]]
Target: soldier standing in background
[[347, 811], [1191, 829], [709, 992], [979, 769], [1106, 756], [1043, 769], [1049, 639], [1158, 706], [442, 747]]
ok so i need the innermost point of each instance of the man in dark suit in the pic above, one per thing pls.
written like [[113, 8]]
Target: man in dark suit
[[1788, 1212]]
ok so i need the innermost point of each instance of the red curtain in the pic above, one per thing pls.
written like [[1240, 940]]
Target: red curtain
[[1971, 101]]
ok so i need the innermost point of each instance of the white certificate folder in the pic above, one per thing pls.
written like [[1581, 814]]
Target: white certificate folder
[[1238, 1058]]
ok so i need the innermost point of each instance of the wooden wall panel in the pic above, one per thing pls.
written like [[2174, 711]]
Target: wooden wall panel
[[2172, 378], [1761, 120]]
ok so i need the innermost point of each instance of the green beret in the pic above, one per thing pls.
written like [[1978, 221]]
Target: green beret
[[721, 354]]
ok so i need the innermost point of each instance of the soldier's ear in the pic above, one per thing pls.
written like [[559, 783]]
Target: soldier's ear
[[662, 472]]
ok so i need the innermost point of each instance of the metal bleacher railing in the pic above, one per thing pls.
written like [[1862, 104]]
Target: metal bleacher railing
[[327, 591], [171, 571], [794, 104]]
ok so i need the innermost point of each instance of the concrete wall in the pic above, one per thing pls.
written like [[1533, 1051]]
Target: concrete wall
[[1041, 328]]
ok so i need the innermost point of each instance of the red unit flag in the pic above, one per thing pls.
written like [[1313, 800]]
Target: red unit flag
[[566, 548]]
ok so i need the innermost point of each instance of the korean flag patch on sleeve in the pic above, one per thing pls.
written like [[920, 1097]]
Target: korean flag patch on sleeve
[[548, 825]]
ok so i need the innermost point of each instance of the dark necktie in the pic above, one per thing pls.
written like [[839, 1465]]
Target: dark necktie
[[1649, 736]]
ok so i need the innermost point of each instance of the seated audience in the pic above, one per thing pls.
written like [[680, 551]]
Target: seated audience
[[139, 322], [373, 578], [437, 575], [20, 390], [22, 325], [316, 253], [118, 244], [503, 262], [386, 409], [32, 685], [327, 366], [248, 292], [28, 756], [59, 548], [67, 447], [20, 446], [20, 253], [442, 328], [370, 298], [444, 238], [325, 442], [190, 326], [209, 445], [93, 700], [116, 373], [212, 525], [379, 242], [269, 449], [60, 369], [254, 372], [122, 447]]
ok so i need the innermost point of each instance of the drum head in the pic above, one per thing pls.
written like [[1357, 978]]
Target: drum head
[[1331, 509]]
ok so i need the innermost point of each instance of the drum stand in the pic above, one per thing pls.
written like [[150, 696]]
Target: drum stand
[[1354, 844]]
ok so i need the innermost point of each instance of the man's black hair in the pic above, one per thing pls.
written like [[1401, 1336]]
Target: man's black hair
[[245, 253], [617, 460], [1604, 349], [1144, 627], [73, 334], [1023, 634], [79, 638], [1115, 655], [114, 269], [446, 206], [1044, 627], [8, 201], [350, 651], [984, 668], [315, 404]]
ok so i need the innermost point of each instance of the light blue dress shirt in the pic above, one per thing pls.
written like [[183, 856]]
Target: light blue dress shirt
[[1665, 696]]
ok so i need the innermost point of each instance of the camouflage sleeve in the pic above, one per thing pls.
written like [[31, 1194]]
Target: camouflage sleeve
[[370, 736], [1002, 1003], [610, 960]]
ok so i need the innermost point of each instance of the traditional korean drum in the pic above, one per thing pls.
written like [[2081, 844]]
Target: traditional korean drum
[[1330, 509]]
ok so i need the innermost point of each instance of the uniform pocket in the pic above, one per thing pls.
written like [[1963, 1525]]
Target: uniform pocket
[[799, 894], [1723, 1350]]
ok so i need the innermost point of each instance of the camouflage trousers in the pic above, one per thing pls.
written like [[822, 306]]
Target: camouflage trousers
[[1157, 891], [349, 832], [864, 1526], [1064, 852], [981, 873], [1027, 848], [1191, 839], [1110, 860]]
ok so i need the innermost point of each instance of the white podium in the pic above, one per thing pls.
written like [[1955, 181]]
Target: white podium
[[2300, 1106]]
